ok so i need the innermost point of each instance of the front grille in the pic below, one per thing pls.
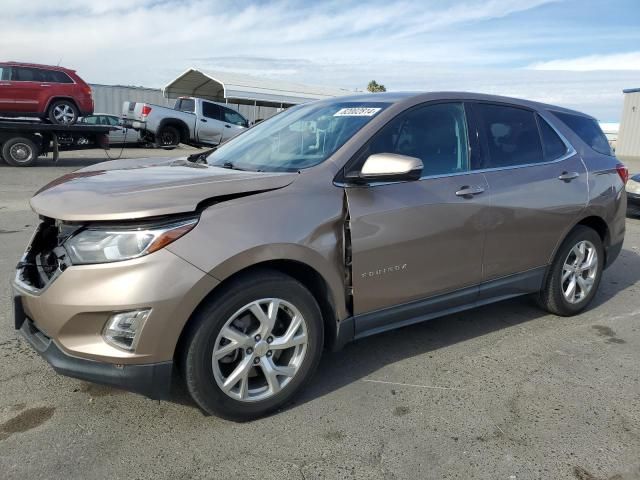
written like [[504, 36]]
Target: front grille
[[45, 257]]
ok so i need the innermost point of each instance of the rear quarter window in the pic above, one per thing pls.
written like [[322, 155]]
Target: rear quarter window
[[588, 130], [552, 144], [55, 76]]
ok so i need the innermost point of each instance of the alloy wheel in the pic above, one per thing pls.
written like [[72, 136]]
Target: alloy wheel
[[63, 113], [579, 271], [259, 349]]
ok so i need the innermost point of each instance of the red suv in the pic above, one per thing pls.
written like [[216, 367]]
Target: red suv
[[52, 93]]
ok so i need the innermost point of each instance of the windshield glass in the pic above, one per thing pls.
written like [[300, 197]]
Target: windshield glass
[[298, 138]]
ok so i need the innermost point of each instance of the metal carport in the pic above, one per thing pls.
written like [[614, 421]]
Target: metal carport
[[246, 90]]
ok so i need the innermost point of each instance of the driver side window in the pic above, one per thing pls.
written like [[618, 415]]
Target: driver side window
[[436, 134]]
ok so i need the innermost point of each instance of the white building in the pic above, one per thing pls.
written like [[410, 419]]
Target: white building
[[628, 144]]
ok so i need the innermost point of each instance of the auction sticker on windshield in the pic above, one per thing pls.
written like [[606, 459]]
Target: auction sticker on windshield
[[357, 112]]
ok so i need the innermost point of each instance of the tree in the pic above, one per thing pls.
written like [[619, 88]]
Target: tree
[[375, 87]]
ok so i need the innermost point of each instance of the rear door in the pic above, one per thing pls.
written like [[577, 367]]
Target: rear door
[[414, 240], [117, 135], [209, 125], [538, 187], [55, 84]]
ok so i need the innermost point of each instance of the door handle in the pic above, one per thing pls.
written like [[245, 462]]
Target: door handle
[[45, 85], [203, 120], [469, 191], [227, 126], [568, 176]]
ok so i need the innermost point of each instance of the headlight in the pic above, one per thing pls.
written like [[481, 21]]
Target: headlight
[[633, 187], [113, 244]]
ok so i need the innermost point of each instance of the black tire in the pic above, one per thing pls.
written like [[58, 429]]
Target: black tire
[[551, 297], [20, 152], [168, 137], [200, 340], [63, 112]]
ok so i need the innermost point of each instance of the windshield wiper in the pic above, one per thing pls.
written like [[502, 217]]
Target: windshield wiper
[[201, 156], [231, 166]]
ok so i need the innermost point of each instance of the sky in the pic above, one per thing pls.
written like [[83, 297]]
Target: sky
[[578, 54]]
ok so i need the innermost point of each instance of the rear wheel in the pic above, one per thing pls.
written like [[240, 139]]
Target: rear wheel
[[20, 152], [574, 276], [168, 137], [253, 346], [63, 112]]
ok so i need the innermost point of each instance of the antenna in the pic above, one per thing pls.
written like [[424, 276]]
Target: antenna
[[59, 61]]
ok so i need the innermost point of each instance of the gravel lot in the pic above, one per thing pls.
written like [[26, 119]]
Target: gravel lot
[[502, 392]]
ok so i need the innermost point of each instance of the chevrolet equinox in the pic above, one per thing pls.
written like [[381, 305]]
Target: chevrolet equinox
[[332, 221]]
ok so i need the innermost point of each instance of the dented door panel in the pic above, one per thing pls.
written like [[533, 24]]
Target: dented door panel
[[414, 240]]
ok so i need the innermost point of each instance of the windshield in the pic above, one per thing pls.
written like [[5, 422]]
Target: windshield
[[298, 138]]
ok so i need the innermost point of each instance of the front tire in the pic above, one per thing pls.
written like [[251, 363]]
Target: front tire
[[63, 112], [253, 346], [574, 276], [20, 152]]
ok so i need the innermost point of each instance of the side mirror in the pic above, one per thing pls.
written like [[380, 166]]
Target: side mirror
[[388, 167]]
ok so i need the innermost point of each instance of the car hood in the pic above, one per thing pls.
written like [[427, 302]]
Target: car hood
[[129, 189]]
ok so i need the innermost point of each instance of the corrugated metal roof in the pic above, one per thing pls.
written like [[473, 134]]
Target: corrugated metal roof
[[237, 87]]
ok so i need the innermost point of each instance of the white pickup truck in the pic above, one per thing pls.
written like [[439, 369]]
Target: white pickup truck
[[192, 121]]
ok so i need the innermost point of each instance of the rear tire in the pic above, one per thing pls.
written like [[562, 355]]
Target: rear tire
[[241, 364], [168, 137], [63, 112], [573, 278], [20, 152]]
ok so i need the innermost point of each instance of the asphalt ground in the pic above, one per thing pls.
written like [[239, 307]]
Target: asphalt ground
[[502, 392]]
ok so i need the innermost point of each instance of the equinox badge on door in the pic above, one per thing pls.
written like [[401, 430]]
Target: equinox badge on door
[[382, 271]]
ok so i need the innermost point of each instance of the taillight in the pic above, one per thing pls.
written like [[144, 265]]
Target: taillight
[[623, 172], [87, 90], [146, 110]]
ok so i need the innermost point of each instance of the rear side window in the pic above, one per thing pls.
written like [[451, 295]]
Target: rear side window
[[552, 144], [231, 116], [588, 130], [436, 134], [186, 105], [5, 73], [211, 110], [512, 136], [23, 74]]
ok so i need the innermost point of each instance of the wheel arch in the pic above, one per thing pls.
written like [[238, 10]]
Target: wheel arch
[[307, 275], [180, 125], [61, 97], [593, 221]]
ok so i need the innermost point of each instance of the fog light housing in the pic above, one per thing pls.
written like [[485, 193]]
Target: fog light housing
[[123, 329]]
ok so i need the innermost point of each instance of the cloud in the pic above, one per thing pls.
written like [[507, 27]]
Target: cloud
[[477, 45], [615, 61]]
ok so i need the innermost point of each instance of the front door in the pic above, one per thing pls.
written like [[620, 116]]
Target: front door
[[415, 240], [26, 87], [7, 94], [538, 187], [234, 123]]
